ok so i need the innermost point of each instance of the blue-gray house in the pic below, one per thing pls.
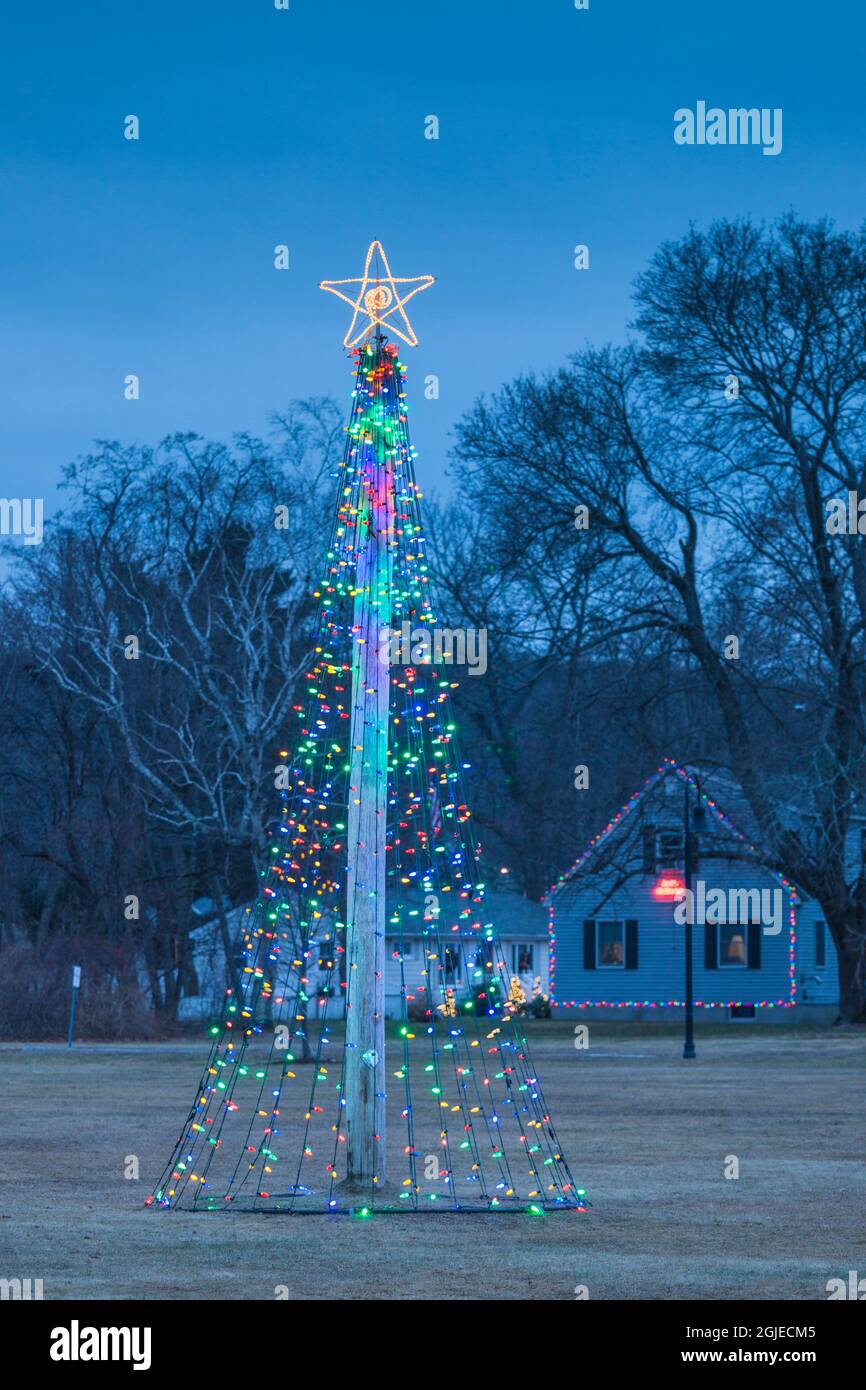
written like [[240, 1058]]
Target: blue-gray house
[[617, 917]]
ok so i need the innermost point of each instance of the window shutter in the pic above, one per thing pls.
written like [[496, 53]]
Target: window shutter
[[649, 849], [754, 958], [820, 947], [711, 946], [589, 945], [631, 945]]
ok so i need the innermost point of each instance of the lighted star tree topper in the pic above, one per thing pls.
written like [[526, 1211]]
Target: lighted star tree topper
[[378, 299], [441, 1109]]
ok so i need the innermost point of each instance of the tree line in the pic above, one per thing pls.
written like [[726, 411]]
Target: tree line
[[643, 533]]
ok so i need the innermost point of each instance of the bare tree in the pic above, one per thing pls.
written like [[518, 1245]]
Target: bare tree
[[707, 459], [168, 617]]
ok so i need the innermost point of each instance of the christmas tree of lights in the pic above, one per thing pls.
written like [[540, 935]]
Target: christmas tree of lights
[[441, 1108]]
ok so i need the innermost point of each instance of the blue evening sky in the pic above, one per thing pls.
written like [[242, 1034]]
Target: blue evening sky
[[306, 127]]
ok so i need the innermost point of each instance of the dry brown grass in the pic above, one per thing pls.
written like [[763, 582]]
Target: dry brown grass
[[646, 1134]]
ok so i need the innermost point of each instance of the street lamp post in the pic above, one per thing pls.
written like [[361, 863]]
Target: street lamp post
[[689, 865]]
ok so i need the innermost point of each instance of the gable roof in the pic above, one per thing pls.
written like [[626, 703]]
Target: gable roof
[[668, 768]]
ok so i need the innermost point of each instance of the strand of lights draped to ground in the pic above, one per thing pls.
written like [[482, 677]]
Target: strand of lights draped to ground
[[459, 1118]]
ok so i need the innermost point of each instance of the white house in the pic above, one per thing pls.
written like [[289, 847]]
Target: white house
[[414, 958]]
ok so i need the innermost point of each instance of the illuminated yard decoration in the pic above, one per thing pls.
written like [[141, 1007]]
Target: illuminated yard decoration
[[378, 298], [441, 1110]]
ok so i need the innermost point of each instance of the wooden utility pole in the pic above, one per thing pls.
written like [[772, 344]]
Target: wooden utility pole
[[364, 1072]]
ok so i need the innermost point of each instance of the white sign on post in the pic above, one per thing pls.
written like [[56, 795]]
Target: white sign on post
[[76, 976]]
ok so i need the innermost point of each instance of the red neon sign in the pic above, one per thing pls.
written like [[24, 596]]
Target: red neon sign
[[669, 886]]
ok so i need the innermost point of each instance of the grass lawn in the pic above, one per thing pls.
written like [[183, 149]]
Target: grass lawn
[[646, 1134]]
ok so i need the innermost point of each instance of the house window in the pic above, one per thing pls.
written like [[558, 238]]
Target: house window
[[820, 946], [670, 849], [451, 962], [610, 945], [742, 1011], [522, 962], [406, 948], [732, 945]]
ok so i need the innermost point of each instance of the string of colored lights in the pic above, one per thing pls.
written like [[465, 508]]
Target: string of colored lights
[[527, 1083], [669, 767], [460, 808], [480, 1104]]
